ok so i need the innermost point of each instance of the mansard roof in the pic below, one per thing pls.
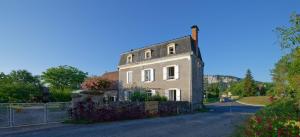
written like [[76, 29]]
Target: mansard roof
[[183, 45]]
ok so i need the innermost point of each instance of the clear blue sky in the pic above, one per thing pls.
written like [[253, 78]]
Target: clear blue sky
[[90, 34]]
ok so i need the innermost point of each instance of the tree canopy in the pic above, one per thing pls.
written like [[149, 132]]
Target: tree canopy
[[64, 77]]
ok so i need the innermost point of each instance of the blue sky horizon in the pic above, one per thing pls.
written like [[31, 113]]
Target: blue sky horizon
[[235, 35]]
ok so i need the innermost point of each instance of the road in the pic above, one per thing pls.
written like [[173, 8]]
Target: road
[[219, 122]]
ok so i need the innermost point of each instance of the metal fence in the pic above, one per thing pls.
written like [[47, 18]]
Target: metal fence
[[21, 114]]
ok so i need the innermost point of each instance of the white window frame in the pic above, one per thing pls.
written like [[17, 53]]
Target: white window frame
[[151, 92], [166, 73], [172, 45], [177, 94], [129, 58], [148, 51], [129, 77], [151, 70]]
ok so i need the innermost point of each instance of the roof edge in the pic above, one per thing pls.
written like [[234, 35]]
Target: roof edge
[[151, 45]]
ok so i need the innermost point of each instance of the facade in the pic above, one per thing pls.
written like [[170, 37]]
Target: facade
[[172, 68]]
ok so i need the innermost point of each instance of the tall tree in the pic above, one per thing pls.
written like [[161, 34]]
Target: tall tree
[[290, 36], [287, 70], [249, 86], [64, 77], [279, 76]]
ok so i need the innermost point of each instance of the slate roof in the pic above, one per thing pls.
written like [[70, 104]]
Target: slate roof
[[183, 45]]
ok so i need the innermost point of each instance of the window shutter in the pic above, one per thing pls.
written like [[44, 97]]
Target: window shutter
[[167, 94], [127, 75], [178, 94], [152, 75], [153, 92], [143, 76], [165, 73], [176, 72]]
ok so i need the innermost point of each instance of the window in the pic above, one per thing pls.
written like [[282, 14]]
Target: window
[[171, 49], [150, 92], [171, 72], [129, 58], [147, 75], [112, 98], [148, 54], [129, 77], [173, 94]]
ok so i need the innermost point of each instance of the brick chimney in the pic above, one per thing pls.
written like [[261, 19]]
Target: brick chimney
[[195, 30]]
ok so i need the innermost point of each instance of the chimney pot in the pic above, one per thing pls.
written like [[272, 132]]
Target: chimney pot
[[195, 30]]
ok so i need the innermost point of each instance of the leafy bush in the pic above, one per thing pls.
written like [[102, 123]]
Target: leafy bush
[[281, 118], [58, 95], [142, 96]]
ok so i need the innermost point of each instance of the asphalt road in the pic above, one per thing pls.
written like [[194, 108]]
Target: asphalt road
[[219, 122]]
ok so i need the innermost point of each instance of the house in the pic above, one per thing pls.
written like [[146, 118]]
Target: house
[[173, 68]]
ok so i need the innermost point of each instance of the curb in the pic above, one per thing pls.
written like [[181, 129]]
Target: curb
[[250, 104]]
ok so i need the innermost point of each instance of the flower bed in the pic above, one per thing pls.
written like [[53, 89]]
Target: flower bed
[[280, 119]]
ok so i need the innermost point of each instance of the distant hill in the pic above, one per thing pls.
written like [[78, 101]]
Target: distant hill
[[210, 79]]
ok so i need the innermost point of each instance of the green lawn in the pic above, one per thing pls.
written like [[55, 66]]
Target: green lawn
[[256, 100]]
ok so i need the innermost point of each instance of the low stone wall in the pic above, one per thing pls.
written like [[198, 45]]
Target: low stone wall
[[113, 111]]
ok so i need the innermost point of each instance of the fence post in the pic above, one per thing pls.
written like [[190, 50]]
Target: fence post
[[45, 113], [10, 116]]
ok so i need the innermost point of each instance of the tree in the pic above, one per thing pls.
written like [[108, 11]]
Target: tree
[[19, 86], [249, 86], [279, 76], [290, 36], [64, 77], [286, 74]]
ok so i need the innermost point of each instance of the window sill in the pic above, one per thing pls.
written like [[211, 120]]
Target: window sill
[[171, 80], [147, 81]]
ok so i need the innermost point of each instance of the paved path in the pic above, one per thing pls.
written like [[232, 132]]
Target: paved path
[[219, 122]]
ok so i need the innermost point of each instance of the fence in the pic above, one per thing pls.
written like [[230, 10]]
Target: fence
[[20, 114]]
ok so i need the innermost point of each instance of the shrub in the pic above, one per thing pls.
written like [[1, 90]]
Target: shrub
[[142, 96], [60, 95], [281, 118], [98, 83]]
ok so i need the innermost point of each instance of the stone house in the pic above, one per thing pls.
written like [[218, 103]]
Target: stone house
[[173, 68]]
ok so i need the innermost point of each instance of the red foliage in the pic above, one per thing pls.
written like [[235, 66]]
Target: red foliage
[[98, 83]]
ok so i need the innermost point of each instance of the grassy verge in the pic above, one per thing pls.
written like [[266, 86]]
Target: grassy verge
[[256, 100], [210, 100]]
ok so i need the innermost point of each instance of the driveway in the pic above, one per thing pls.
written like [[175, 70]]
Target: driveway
[[219, 122]]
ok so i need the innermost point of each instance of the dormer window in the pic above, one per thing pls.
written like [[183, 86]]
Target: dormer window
[[171, 49], [148, 54], [129, 58]]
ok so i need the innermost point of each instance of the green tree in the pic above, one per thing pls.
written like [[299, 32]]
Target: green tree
[[19, 86], [249, 86], [64, 77], [237, 88], [290, 36], [279, 76], [286, 74]]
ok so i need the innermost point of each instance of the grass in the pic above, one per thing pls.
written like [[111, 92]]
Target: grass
[[256, 100], [210, 100]]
